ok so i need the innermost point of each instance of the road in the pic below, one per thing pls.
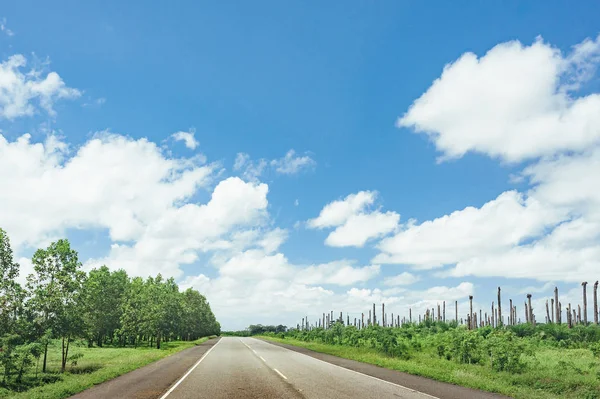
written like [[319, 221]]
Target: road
[[240, 368]]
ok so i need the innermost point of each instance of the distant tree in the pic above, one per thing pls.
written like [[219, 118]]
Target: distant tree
[[102, 297]]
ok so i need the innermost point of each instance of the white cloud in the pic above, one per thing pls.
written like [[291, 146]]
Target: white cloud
[[187, 138], [515, 103], [338, 212], [472, 232], [251, 170], [404, 278], [338, 273], [360, 228], [291, 164], [4, 29], [354, 223], [18, 90], [99, 185]]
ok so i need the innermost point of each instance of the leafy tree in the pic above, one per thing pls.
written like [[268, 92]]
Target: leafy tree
[[55, 288], [103, 293], [11, 294]]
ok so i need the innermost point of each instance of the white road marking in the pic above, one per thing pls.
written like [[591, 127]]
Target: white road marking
[[353, 371], [279, 372], [262, 358], [189, 371]]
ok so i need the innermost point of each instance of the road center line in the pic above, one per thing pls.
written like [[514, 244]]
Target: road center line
[[279, 372], [353, 371], [189, 371], [262, 358]]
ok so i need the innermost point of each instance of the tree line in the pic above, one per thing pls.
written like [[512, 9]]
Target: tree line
[[62, 302]]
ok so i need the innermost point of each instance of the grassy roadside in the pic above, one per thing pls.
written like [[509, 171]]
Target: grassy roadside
[[542, 380], [97, 365]]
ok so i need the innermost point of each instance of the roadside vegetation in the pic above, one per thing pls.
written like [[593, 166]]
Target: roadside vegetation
[[521, 361], [66, 329]]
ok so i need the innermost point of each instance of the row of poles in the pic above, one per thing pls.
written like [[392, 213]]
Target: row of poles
[[473, 319]]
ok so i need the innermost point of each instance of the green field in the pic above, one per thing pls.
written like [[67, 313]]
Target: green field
[[94, 367], [546, 367]]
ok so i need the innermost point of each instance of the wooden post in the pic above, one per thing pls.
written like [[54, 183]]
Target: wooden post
[[585, 319], [493, 314], [456, 311], [470, 311], [374, 317], [383, 314], [393, 321], [362, 319], [481, 319], [559, 314], [552, 311], [439, 313], [331, 319], [557, 309], [531, 320], [347, 319], [547, 312], [578, 314], [410, 315], [398, 324], [370, 320], [499, 308], [526, 313], [510, 317], [444, 312], [323, 319], [596, 302]]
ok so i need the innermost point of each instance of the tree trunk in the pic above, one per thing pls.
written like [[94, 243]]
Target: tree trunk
[[45, 357], [558, 310], [596, 302], [499, 308], [585, 319], [158, 341], [470, 312]]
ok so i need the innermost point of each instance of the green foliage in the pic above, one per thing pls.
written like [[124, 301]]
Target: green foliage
[[62, 305]]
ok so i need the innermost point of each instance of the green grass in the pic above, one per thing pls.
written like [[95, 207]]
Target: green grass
[[550, 373], [96, 366]]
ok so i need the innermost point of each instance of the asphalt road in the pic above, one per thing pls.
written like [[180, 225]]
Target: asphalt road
[[240, 368]]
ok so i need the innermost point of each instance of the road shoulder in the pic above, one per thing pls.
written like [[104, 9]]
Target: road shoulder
[[431, 387]]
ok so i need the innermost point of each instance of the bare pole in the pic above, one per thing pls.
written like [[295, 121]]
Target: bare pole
[[584, 287], [383, 314], [444, 312], [510, 317], [374, 317], [531, 320], [456, 311], [558, 310], [471, 312], [499, 308], [552, 310], [596, 302]]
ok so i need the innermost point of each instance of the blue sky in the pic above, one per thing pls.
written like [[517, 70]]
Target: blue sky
[[329, 81]]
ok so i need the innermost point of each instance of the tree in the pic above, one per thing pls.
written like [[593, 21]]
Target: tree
[[11, 294], [103, 293], [55, 288]]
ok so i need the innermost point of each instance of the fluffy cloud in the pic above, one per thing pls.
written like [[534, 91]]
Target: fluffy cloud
[[472, 232], [188, 139], [22, 93], [404, 278], [291, 164], [355, 224], [100, 185], [514, 103]]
